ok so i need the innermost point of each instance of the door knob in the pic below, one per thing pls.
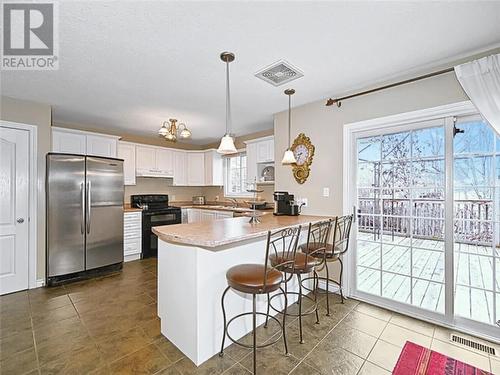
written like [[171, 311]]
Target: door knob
[[20, 220]]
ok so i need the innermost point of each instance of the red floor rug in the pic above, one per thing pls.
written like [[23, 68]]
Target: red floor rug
[[417, 360]]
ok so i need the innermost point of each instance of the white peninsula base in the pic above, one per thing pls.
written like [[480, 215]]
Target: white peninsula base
[[191, 281]]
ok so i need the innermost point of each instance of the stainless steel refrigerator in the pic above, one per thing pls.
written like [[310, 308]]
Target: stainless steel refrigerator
[[84, 215]]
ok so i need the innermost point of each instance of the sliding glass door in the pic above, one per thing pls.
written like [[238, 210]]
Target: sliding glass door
[[427, 235], [400, 238], [476, 154]]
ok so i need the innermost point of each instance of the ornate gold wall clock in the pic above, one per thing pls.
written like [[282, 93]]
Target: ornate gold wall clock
[[303, 151]]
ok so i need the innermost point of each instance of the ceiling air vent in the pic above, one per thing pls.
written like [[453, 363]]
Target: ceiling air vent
[[473, 344], [279, 73]]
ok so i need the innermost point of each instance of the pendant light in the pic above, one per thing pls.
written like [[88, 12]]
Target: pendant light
[[289, 157], [227, 142]]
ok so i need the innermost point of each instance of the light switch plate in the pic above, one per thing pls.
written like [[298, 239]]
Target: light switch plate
[[326, 192]]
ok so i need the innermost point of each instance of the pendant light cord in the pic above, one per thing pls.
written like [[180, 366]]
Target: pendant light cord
[[228, 100], [289, 118]]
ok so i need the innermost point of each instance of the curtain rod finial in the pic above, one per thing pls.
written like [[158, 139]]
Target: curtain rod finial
[[331, 102]]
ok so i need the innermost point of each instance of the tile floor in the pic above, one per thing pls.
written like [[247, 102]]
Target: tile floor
[[109, 325]]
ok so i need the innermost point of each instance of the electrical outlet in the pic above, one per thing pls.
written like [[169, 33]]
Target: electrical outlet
[[172, 198], [326, 192], [216, 198], [304, 202]]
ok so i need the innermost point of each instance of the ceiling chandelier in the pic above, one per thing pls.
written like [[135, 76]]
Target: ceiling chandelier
[[227, 142], [171, 131]]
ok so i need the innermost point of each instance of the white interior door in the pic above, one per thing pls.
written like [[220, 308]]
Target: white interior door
[[14, 209]]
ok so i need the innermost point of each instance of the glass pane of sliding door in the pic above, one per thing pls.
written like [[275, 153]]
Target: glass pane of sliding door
[[400, 199], [477, 221]]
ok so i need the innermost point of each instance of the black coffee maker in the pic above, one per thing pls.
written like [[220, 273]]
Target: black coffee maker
[[283, 204]]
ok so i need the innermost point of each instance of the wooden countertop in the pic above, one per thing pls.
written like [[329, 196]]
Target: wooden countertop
[[127, 208], [212, 234]]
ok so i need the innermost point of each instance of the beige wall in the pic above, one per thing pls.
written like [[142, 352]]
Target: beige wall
[[31, 113], [324, 125], [145, 185]]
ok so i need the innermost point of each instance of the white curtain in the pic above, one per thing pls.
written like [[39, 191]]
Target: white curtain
[[480, 79]]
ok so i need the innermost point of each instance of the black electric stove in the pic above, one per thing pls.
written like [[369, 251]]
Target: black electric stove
[[155, 212]]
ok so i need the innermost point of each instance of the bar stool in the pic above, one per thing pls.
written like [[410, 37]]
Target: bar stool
[[303, 264], [333, 253], [258, 279]]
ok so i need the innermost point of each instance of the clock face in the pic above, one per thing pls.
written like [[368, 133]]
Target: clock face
[[301, 154]]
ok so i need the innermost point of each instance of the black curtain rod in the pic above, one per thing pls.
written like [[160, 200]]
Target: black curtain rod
[[338, 101]]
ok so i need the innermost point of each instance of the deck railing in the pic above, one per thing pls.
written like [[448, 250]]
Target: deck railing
[[424, 218]]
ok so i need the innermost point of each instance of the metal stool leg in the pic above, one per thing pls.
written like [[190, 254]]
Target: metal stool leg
[[254, 326], [340, 280], [327, 291], [268, 307], [300, 309], [315, 283], [225, 320], [284, 321]]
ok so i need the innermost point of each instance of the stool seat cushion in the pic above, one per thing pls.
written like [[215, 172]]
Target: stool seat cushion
[[249, 278], [313, 246], [303, 263]]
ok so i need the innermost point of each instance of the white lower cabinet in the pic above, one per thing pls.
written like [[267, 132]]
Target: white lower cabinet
[[197, 215], [132, 235]]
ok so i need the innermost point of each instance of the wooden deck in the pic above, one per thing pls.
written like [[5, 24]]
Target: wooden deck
[[474, 274]]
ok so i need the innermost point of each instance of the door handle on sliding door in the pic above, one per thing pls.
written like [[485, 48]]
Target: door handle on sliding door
[[82, 206], [89, 205]]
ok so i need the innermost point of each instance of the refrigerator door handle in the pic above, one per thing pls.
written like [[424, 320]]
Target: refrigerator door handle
[[89, 195], [82, 205]]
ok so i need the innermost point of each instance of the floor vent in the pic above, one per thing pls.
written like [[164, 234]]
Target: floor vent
[[279, 73], [473, 344]]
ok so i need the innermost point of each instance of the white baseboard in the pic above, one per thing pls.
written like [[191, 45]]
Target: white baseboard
[[334, 288]]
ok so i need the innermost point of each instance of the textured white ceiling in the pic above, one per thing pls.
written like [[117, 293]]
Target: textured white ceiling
[[130, 65]]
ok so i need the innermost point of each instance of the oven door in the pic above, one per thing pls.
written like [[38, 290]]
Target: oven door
[[155, 219]]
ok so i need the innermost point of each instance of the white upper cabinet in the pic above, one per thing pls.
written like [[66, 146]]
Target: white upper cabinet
[[101, 146], [214, 168], [180, 166], [145, 160], [126, 151], [196, 168], [260, 153], [70, 141], [265, 151], [165, 161], [251, 162], [154, 161]]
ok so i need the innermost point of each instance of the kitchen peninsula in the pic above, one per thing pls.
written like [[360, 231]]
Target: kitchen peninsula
[[192, 264]]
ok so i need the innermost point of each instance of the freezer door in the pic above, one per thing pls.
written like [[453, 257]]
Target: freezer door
[[65, 189], [104, 222]]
